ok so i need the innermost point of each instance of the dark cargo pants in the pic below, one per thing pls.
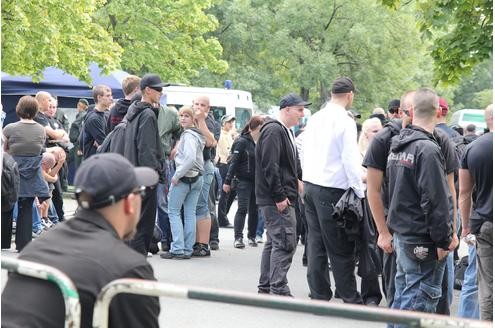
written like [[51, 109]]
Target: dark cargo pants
[[279, 249]]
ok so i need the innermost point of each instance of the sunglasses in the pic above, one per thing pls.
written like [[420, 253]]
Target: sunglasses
[[141, 191], [158, 89]]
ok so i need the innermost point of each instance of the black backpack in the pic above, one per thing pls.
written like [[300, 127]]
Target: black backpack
[[115, 141], [10, 182]]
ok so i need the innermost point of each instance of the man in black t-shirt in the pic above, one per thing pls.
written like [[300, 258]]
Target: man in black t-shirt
[[477, 171], [95, 123], [45, 101], [375, 161]]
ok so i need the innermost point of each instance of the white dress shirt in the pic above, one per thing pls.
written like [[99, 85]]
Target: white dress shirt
[[330, 151]]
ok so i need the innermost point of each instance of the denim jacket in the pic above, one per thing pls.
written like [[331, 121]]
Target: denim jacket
[[32, 183]]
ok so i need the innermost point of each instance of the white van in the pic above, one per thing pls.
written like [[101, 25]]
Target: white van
[[464, 117], [222, 101]]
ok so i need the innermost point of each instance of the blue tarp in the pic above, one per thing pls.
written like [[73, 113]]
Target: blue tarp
[[61, 84], [67, 88]]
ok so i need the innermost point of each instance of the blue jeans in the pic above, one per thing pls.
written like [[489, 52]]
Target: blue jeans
[[52, 213], [418, 285], [162, 202], [36, 219], [468, 304], [202, 209], [261, 224], [183, 236]]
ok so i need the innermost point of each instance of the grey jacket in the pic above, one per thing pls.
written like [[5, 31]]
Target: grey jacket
[[189, 158]]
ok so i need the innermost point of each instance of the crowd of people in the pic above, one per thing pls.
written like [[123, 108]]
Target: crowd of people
[[386, 198]]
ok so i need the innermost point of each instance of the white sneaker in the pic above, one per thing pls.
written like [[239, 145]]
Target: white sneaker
[[259, 239]]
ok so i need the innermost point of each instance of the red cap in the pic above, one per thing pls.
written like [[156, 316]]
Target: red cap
[[444, 106]]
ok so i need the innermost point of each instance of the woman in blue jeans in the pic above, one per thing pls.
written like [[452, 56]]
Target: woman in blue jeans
[[185, 187], [242, 167]]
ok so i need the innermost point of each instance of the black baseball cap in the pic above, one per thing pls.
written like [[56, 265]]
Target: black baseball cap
[[152, 81], [393, 106], [343, 85], [109, 177], [293, 99]]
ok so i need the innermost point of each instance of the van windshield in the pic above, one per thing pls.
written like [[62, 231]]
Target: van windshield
[[242, 116], [471, 117]]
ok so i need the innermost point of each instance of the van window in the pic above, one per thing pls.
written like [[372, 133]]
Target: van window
[[471, 117], [218, 112], [242, 116]]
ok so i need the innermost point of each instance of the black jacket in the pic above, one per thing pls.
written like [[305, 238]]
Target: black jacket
[[418, 191], [88, 250], [242, 165], [117, 113], [277, 165], [142, 141]]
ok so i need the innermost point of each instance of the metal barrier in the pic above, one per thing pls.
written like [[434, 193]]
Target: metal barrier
[[45, 272], [348, 311]]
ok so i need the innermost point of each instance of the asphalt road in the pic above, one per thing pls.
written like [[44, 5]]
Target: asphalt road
[[238, 270]]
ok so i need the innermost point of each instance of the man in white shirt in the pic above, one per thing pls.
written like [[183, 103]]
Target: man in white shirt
[[331, 165]]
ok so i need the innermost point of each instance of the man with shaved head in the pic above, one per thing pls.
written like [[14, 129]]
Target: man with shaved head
[[419, 209]]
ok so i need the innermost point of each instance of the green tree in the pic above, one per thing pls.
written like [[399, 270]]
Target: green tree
[[474, 90], [461, 33], [274, 47], [38, 34], [164, 36]]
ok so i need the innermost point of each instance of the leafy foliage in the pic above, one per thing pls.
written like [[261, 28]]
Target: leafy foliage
[[461, 31], [164, 37], [475, 90], [37, 34], [276, 47]]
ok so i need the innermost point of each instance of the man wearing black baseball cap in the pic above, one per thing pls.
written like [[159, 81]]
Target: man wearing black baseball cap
[[331, 165], [394, 109], [143, 148], [278, 175], [89, 250]]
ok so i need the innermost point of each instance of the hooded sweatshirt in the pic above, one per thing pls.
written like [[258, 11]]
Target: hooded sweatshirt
[[117, 113], [418, 191], [277, 166], [142, 142], [189, 159]]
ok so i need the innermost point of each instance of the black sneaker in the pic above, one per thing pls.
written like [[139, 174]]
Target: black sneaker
[[252, 242], [214, 245], [201, 251], [172, 256], [238, 243], [165, 246]]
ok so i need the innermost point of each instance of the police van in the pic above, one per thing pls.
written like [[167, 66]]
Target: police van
[[464, 117], [222, 101]]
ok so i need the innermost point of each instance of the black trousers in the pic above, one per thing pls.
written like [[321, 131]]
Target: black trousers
[[24, 226], [388, 277], [146, 225], [246, 204], [6, 228], [225, 200], [58, 201], [212, 196], [327, 241]]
